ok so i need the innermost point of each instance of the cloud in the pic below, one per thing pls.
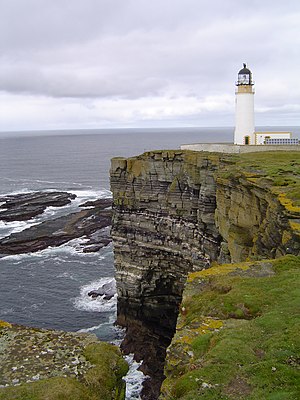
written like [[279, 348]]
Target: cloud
[[120, 53]]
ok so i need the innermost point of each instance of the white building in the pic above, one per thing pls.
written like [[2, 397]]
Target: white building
[[274, 138], [244, 108], [244, 133]]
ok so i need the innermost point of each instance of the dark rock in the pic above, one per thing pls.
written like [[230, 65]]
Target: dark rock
[[94, 248], [93, 294], [175, 212], [108, 290], [24, 206], [58, 231], [103, 203], [163, 227]]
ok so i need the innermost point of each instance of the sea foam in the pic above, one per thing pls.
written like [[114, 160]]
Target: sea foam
[[86, 303], [134, 379]]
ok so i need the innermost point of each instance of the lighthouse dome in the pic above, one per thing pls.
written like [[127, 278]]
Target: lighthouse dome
[[245, 70], [244, 76]]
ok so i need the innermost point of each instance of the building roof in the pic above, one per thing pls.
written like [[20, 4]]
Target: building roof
[[245, 71]]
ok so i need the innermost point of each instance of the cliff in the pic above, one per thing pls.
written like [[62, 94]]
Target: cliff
[[179, 211], [41, 364]]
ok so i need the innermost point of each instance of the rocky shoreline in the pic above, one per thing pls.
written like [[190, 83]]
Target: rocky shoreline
[[24, 206], [89, 222], [38, 363]]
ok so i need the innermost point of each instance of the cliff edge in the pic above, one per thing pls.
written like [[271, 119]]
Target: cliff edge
[[179, 211], [236, 335]]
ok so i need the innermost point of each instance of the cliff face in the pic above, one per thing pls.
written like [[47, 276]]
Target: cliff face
[[252, 221], [177, 211], [163, 221], [163, 227]]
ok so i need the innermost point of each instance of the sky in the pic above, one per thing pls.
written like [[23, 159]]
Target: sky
[[80, 64]]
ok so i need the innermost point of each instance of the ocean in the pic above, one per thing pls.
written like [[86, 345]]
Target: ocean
[[49, 288]]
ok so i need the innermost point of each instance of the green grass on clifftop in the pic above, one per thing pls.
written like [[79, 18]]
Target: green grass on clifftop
[[277, 170], [238, 334], [102, 381]]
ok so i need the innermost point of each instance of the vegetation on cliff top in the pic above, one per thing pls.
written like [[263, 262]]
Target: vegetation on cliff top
[[49, 365], [279, 171], [237, 335]]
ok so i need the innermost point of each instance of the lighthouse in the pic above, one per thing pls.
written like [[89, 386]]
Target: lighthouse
[[244, 109]]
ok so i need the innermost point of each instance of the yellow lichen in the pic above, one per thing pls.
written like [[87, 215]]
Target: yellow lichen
[[222, 269], [287, 203], [294, 225], [286, 236], [4, 324], [204, 325], [135, 166]]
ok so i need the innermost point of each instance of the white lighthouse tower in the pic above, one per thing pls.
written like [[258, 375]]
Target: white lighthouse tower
[[244, 108]]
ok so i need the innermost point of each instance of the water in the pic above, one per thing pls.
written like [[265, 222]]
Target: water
[[49, 288]]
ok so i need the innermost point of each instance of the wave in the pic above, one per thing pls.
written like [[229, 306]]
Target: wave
[[5, 311], [7, 228], [110, 322], [14, 192], [66, 274], [85, 303], [63, 252], [134, 379], [83, 193], [26, 180]]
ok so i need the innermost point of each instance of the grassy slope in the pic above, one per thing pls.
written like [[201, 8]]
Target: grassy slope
[[278, 171], [103, 381], [238, 334]]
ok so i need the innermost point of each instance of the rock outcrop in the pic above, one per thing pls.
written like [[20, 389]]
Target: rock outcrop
[[252, 220], [39, 363], [24, 206], [163, 220], [178, 211], [88, 222]]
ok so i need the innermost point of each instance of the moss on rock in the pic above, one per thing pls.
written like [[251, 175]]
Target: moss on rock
[[249, 347], [40, 364]]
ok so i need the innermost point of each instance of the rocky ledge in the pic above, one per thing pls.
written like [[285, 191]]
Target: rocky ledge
[[39, 364], [88, 222], [24, 206]]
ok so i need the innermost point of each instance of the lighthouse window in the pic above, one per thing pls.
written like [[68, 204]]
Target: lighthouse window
[[247, 139]]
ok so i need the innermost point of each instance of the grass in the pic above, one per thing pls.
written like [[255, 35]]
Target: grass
[[256, 354], [103, 381], [280, 171]]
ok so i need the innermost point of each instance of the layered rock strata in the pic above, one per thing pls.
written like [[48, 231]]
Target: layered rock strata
[[252, 220], [178, 211], [163, 220], [163, 227]]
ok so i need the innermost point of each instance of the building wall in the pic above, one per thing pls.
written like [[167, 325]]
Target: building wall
[[244, 115], [232, 148], [260, 136]]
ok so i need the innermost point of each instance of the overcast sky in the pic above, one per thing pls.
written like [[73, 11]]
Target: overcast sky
[[68, 64]]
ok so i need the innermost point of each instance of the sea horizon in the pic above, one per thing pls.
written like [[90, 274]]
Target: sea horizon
[[295, 129]]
